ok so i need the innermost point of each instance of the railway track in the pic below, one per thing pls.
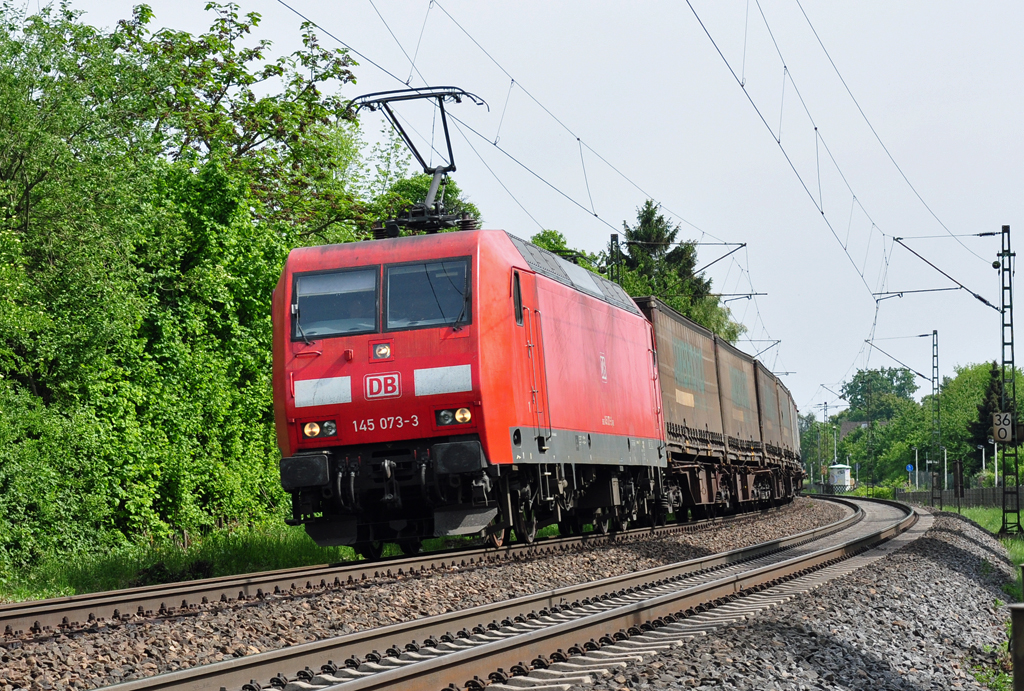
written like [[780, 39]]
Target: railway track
[[42, 618], [553, 634]]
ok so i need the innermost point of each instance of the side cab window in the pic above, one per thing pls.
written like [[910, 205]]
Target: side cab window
[[517, 298]]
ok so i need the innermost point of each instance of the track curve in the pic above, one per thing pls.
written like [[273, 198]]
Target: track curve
[[491, 636]]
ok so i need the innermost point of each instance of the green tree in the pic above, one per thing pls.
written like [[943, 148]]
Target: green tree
[[980, 426], [554, 241], [961, 398], [151, 184], [654, 253], [657, 263], [876, 394]]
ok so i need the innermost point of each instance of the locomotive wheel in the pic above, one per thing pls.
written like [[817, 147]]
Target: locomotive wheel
[[372, 551], [526, 525], [410, 547], [496, 537]]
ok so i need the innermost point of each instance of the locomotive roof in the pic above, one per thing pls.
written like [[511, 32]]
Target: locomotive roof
[[554, 267], [539, 260]]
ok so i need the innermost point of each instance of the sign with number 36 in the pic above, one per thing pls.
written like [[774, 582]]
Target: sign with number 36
[[1002, 427]]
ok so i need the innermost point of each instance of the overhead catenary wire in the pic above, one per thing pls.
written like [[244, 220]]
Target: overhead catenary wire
[[900, 293], [343, 43], [412, 63], [497, 133], [583, 163], [532, 172], [905, 366], [512, 84], [558, 120], [497, 179], [901, 338], [785, 154], [976, 295], [877, 137], [419, 41]]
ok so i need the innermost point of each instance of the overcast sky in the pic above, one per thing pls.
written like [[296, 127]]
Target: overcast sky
[[645, 89]]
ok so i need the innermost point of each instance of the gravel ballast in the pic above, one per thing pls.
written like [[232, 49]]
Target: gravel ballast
[[917, 619], [221, 631]]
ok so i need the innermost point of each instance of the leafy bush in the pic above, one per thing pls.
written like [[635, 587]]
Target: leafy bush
[[151, 186]]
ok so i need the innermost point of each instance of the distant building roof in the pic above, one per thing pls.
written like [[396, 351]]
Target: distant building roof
[[848, 426]]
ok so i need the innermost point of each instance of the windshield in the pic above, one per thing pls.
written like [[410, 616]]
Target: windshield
[[428, 294], [330, 304]]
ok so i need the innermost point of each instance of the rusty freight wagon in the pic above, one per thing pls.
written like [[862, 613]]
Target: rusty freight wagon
[[726, 438]]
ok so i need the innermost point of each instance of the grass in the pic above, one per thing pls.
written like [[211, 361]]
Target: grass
[[999, 677], [875, 491], [260, 548], [263, 547], [991, 519]]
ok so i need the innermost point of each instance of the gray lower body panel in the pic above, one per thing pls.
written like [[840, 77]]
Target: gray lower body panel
[[569, 446], [341, 530], [463, 521]]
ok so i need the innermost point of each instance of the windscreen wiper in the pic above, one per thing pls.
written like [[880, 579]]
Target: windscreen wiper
[[456, 325], [295, 311]]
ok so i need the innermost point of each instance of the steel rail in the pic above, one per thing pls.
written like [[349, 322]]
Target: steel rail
[[480, 661], [236, 672], [78, 612]]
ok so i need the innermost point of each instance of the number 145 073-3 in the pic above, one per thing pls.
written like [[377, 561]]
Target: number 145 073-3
[[371, 424]]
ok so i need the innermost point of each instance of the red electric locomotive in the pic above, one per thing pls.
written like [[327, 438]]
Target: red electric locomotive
[[469, 383], [461, 383]]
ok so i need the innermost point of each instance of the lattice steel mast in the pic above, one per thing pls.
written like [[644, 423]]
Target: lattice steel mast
[[1008, 391], [936, 487]]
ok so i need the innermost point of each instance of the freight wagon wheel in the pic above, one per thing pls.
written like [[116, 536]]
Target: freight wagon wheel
[[602, 523]]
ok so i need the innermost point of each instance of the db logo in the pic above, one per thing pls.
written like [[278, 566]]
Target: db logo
[[387, 385]]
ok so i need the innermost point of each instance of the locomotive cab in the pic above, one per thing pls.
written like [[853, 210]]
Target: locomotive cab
[[381, 413]]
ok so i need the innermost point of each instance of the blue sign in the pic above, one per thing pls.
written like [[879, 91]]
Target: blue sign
[[910, 467]]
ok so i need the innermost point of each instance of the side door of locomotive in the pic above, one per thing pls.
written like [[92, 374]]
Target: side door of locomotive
[[531, 376]]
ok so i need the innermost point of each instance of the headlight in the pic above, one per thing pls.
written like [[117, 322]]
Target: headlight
[[453, 417], [326, 428], [381, 351]]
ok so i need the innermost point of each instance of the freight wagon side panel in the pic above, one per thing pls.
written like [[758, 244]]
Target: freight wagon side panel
[[786, 417], [738, 395], [796, 428], [768, 408], [689, 380]]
